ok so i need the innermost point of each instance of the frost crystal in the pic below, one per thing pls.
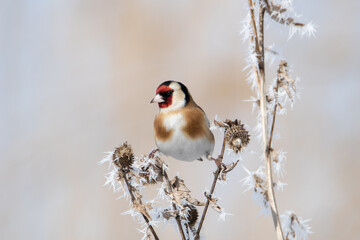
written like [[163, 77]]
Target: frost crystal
[[307, 30], [282, 92], [294, 227], [256, 181], [278, 162], [223, 215]]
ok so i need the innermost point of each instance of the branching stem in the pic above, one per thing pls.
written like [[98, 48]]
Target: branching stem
[[133, 200], [216, 177], [177, 217], [259, 48]]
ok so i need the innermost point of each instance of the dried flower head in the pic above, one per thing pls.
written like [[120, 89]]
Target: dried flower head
[[123, 156], [150, 170], [193, 214], [236, 136], [180, 192]]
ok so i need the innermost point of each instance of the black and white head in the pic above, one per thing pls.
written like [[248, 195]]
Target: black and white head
[[171, 95]]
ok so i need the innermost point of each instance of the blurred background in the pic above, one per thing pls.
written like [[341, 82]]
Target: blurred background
[[76, 79]]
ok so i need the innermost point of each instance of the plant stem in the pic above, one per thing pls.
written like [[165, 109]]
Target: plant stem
[[267, 143], [133, 199], [273, 120], [178, 220], [216, 176], [254, 38], [259, 48]]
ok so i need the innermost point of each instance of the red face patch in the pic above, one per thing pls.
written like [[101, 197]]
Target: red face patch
[[168, 99], [163, 89]]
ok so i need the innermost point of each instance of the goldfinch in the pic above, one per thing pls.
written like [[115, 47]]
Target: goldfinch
[[181, 126]]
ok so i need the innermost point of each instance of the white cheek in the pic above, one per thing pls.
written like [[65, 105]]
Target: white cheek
[[178, 101]]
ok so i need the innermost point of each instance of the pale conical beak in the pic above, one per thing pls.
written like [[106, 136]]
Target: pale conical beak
[[157, 99]]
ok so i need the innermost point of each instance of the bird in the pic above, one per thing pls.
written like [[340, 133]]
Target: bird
[[181, 128]]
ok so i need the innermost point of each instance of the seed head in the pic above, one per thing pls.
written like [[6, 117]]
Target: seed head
[[151, 172], [236, 136], [193, 215], [123, 156]]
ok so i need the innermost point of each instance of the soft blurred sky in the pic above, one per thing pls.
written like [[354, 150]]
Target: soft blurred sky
[[76, 78]]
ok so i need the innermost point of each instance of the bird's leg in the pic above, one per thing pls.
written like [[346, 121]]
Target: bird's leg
[[152, 153]]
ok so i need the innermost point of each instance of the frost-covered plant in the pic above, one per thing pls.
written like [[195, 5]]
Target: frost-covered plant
[[282, 92], [130, 175]]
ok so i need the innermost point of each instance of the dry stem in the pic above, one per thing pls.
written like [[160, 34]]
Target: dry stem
[[216, 176], [133, 199], [263, 109], [178, 220], [273, 120]]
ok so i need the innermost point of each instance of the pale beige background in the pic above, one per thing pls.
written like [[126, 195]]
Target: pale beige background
[[76, 80]]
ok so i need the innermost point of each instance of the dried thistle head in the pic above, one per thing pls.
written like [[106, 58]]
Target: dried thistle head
[[193, 215], [180, 192], [123, 156], [236, 136], [150, 169], [149, 179]]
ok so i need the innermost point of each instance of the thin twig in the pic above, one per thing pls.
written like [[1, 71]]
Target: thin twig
[[253, 24], [133, 199], [275, 13], [271, 195], [271, 51], [187, 229], [177, 217], [261, 41], [273, 120], [254, 38], [216, 177]]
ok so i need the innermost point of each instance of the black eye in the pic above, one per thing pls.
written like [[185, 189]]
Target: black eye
[[169, 93]]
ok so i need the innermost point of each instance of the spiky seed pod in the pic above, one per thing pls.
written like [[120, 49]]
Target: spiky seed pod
[[152, 172], [193, 215], [123, 156], [236, 136], [146, 175]]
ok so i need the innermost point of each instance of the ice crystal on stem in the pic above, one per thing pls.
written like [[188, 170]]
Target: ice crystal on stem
[[134, 173], [130, 175], [278, 161], [256, 182], [263, 182], [295, 228]]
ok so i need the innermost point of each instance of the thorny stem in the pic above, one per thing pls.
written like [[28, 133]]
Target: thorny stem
[[264, 117], [133, 199], [178, 220], [216, 176]]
